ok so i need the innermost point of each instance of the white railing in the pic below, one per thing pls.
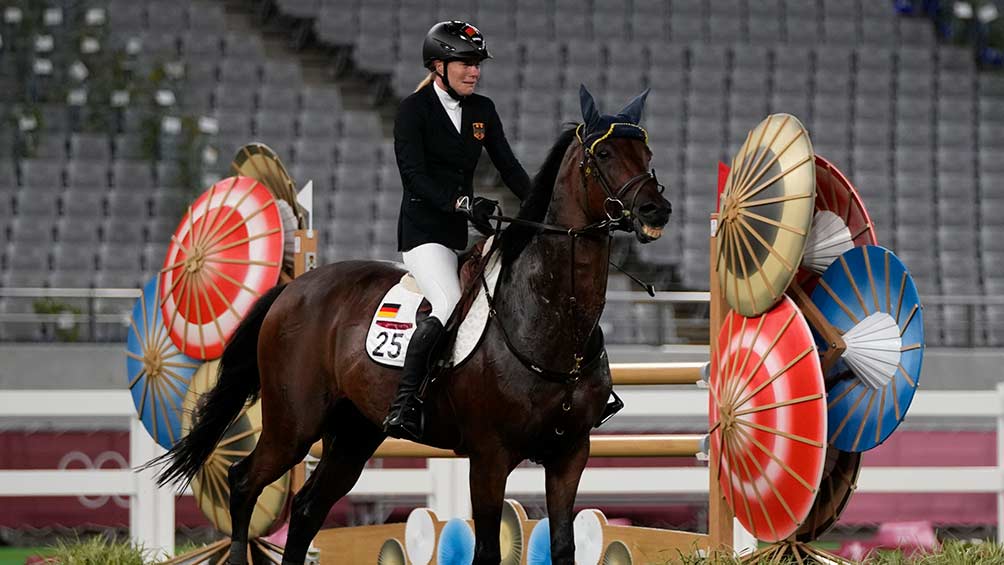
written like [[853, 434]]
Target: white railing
[[444, 481]]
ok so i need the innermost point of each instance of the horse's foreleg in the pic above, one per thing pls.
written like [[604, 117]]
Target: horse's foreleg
[[346, 451], [561, 481], [488, 478]]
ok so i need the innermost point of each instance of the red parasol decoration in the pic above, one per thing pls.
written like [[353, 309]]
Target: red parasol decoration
[[839, 223], [768, 419], [226, 252]]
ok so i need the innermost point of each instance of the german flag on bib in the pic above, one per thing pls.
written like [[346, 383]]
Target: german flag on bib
[[388, 310]]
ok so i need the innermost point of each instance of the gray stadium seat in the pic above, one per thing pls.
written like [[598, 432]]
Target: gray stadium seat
[[956, 240], [802, 31], [992, 211], [314, 152], [726, 28], [918, 134], [87, 175], [956, 186], [990, 239], [990, 164], [991, 135], [132, 175], [915, 31], [764, 23], [126, 16], [68, 257], [170, 204], [79, 202], [956, 135], [198, 46], [51, 147], [37, 201], [234, 98], [687, 27], [242, 44], [129, 202], [959, 109], [124, 230], [207, 17], [872, 133], [878, 31], [357, 152], [120, 257], [840, 31]]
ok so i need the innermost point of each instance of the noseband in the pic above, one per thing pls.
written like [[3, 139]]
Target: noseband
[[617, 213]]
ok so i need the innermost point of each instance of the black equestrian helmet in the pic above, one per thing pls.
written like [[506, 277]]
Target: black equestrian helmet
[[454, 41]]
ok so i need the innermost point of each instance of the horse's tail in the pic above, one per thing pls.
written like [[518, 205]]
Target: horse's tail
[[238, 383]]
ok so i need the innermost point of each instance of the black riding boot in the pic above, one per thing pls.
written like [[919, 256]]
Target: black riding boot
[[404, 420]]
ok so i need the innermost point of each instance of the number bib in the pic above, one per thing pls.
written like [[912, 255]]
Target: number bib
[[394, 321], [392, 326]]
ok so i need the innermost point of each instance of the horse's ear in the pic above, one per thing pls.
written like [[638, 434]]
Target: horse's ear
[[634, 108], [590, 116]]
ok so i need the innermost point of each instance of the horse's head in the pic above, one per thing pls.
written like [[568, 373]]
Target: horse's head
[[615, 179]]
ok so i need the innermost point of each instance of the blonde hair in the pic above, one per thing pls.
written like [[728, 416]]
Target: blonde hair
[[425, 81]]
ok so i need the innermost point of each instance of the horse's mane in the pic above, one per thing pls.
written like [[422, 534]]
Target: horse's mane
[[534, 207]]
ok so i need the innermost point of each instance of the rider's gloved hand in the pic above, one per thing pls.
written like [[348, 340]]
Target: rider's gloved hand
[[479, 211]]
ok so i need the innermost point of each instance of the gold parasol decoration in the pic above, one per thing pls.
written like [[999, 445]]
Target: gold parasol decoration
[[258, 161], [511, 532], [617, 554], [765, 214], [210, 486], [260, 551], [789, 551], [391, 553]]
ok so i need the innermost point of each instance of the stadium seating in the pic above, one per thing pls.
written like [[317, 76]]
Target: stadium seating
[[911, 122]]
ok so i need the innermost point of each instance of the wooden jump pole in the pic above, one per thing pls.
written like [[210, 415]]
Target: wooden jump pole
[[659, 373], [661, 445]]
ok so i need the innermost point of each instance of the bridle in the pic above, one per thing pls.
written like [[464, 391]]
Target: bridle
[[619, 219], [589, 167]]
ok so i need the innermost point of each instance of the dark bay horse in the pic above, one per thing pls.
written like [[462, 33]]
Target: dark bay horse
[[533, 390]]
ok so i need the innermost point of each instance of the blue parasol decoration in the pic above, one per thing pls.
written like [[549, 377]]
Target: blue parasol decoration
[[538, 551], [158, 373], [869, 297], [456, 543]]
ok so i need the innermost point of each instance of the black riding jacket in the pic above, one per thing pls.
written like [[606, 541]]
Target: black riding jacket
[[437, 165]]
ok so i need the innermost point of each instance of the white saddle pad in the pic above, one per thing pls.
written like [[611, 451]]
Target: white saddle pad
[[394, 320]]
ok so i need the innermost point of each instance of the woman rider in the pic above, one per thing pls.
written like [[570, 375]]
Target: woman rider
[[439, 132]]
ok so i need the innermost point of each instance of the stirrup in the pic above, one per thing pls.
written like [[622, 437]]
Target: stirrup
[[612, 407], [404, 425]]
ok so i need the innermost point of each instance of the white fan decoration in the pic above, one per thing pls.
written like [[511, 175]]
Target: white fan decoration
[[289, 225], [873, 349], [587, 531], [420, 536], [829, 239]]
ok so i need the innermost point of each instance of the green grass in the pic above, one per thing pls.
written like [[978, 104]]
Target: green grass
[[98, 550], [17, 555], [952, 553]]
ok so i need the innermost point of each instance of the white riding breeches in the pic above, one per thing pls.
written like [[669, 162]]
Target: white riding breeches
[[434, 267]]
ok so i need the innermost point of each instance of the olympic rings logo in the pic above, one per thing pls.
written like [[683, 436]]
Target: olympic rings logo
[[107, 460]]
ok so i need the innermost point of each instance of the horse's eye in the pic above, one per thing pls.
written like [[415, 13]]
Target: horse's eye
[[603, 154]]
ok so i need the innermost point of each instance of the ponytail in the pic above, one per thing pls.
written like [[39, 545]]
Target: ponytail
[[425, 82]]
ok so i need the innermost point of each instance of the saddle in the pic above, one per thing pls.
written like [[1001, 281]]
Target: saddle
[[403, 306]]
